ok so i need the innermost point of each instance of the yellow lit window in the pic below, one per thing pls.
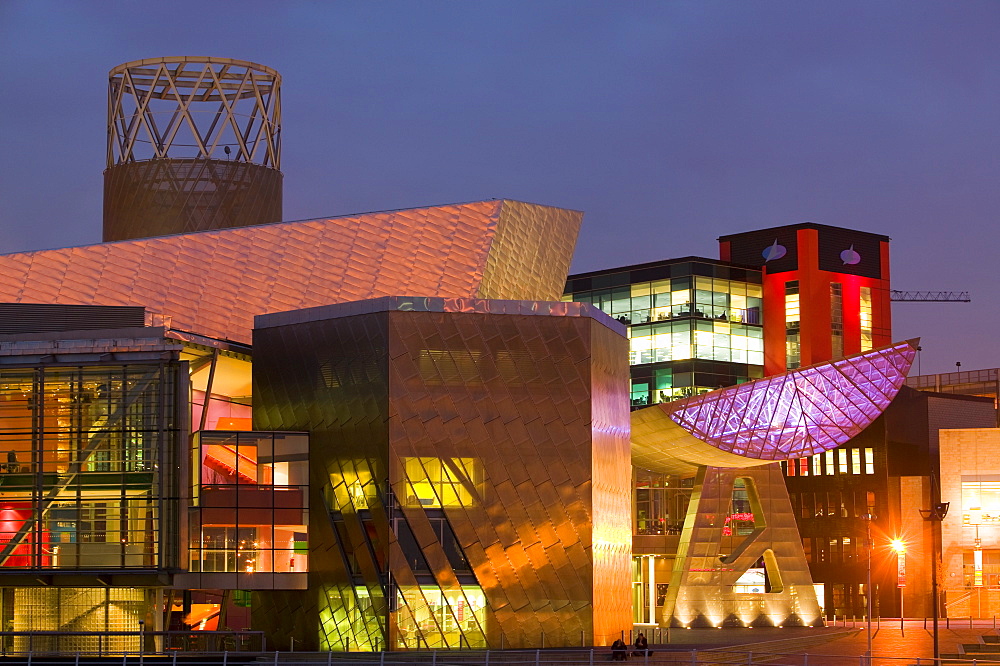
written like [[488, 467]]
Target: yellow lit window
[[866, 318], [442, 482]]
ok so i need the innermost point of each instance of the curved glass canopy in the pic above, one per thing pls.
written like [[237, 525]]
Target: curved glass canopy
[[793, 415]]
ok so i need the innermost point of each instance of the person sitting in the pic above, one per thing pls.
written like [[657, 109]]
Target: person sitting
[[641, 646], [618, 650], [13, 466]]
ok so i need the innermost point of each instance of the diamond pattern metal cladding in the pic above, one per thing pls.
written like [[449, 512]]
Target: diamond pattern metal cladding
[[801, 412], [213, 283]]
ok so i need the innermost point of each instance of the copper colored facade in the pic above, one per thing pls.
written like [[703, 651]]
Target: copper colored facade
[[193, 144], [712, 556], [471, 461], [163, 197], [214, 282]]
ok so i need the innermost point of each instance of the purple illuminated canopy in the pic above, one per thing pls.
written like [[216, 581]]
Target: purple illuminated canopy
[[801, 412]]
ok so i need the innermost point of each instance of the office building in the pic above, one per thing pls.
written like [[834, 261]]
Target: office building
[[694, 323]]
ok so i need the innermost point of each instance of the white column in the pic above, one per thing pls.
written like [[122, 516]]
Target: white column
[[652, 588]]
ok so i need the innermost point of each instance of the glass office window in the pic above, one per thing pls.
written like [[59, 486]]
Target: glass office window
[[81, 487], [252, 502], [836, 320], [793, 355], [866, 318]]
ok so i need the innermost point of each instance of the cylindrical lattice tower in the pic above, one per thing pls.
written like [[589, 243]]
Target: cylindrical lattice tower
[[193, 144]]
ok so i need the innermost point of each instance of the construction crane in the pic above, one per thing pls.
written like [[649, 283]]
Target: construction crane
[[929, 296]]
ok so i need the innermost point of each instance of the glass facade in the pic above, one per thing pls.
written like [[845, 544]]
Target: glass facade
[[866, 318], [251, 492], [661, 502], [84, 484], [793, 350], [836, 320], [694, 326]]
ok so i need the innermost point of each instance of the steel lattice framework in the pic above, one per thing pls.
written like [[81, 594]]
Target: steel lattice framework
[[193, 144], [211, 108], [792, 415]]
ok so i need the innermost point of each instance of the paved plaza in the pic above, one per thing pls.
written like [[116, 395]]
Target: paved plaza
[[827, 646]]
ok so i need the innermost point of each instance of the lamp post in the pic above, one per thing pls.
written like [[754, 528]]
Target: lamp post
[[935, 515], [868, 518], [899, 546]]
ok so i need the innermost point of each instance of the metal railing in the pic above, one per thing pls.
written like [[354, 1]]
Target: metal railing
[[655, 656], [105, 643]]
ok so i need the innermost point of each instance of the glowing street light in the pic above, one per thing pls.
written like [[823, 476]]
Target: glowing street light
[[899, 546]]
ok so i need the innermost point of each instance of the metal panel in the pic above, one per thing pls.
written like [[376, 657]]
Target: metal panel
[[503, 438], [213, 283], [710, 559], [177, 196]]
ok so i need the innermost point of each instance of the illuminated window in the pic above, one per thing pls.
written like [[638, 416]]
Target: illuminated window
[[428, 617], [793, 352], [836, 320], [980, 501], [803, 466], [869, 462], [817, 465], [829, 463], [442, 482], [252, 502], [855, 461], [866, 318], [842, 460]]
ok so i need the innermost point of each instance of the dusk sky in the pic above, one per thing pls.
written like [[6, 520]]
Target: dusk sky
[[668, 123]]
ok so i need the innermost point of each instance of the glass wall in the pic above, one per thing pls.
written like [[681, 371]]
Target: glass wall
[[677, 298], [429, 617], [251, 490], [793, 352], [661, 502], [836, 320], [866, 319], [706, 317], [82, 478]]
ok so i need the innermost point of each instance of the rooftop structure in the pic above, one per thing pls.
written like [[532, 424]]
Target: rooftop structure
[[193, 144]]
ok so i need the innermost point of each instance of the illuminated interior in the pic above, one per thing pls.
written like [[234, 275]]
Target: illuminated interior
[[428, 617], [866, 318], [252, 498], [78, 452], [230, 375], [442, 482], [693, 317]]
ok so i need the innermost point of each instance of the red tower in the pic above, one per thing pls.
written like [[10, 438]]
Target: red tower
[[826, 291]]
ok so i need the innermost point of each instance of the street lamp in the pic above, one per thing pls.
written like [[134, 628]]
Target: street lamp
[[935, 515], [899, 546], [868, 518]]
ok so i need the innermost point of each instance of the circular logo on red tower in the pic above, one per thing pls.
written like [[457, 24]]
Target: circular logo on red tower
[[850, 256], [773, 252]]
